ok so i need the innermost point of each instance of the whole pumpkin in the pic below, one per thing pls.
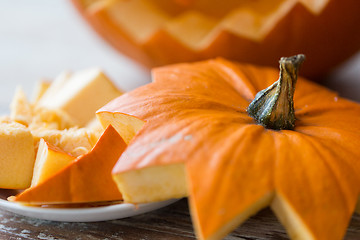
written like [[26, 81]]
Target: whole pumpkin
[[197, 138], [158, 32]]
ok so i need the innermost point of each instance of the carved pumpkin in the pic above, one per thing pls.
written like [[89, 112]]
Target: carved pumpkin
[[158, 32], [87, 179], [198, 140]]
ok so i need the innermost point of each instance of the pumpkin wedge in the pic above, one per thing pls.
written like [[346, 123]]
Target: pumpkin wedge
[[17, 155], [74, 94], [49, 160], [40, 89], [157, 32], [87, 179], [230, 165]]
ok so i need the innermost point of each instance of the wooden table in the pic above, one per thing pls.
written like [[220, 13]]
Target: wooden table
[[171, 223], [48, 38]]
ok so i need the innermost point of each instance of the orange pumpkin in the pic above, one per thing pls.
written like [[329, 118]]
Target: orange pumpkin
[[231, 166], [158, 32], [87, 179]]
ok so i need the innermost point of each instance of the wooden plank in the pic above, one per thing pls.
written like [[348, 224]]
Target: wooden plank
[[172, 223]]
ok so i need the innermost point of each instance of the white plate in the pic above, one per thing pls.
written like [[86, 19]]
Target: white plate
[[89, 214]]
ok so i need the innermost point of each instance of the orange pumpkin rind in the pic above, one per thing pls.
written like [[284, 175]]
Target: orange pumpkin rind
[[196, 118]]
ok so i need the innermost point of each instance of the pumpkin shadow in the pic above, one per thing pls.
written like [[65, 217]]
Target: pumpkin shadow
[[345, 79]]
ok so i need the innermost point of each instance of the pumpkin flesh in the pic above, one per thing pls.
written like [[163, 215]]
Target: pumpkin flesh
[[141, 186], [86, 179], [196, 116]]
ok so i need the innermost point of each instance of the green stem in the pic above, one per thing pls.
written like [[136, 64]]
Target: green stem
[[273, 107]]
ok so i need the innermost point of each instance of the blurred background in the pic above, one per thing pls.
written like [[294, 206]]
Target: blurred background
[[42, 38]]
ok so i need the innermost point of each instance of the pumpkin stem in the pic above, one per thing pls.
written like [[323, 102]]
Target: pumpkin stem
[[273, 107]]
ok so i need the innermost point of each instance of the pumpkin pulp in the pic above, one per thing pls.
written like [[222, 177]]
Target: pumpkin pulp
[[273, 107]]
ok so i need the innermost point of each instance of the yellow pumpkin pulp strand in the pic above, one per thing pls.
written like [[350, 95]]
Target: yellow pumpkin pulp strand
[[273, 107]]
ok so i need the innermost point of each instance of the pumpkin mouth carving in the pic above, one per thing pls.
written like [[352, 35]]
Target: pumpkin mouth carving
[[161, 32], [183, 19]]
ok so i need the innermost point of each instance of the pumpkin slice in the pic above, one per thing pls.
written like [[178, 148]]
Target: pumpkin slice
[[49, 160], [57, 84], [50, 118], [74, 95], [87, 179], [95, 126], [21, 110], [157, 32], [198, 126], [41, 87], [127, 126], [17, 155]]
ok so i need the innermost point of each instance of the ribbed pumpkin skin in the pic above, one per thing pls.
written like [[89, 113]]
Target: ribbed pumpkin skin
[[196, 114], [327, 38]]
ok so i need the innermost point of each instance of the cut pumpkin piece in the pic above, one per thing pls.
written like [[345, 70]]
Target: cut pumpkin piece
[[17, 156], [95, 126], [49, 160], [21, 110], [141, 186], [126, 125], [80, 94], [40, 89], [57, 84], [87, 179]]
